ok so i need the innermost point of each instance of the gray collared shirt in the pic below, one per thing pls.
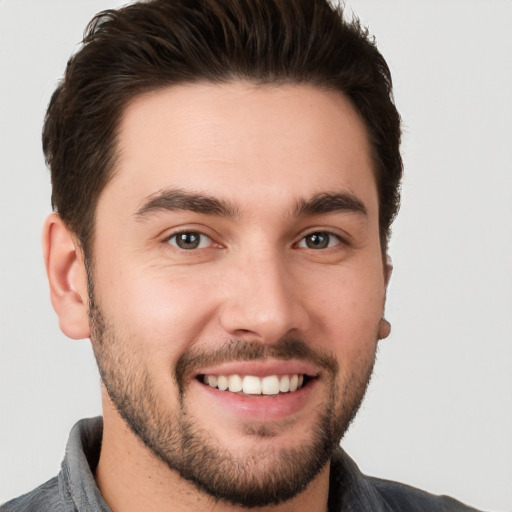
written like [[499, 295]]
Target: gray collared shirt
[[74, 488]]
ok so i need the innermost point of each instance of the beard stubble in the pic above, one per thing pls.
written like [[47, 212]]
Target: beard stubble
[[265, 476]]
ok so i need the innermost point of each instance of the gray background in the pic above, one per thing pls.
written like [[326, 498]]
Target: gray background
[[439, 411]]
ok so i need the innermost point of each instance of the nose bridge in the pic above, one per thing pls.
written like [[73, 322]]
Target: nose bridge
[[262, 298]]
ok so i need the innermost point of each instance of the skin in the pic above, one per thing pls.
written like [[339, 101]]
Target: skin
[[265, 151]]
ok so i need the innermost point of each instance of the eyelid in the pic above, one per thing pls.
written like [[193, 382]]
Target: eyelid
[[303, 245], [173, 233], [342, 237], [201, 243]]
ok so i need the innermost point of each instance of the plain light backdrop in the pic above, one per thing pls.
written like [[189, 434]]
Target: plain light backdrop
[[438, 414]]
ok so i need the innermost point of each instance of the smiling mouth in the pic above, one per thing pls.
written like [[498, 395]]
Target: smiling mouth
[[251, 385]]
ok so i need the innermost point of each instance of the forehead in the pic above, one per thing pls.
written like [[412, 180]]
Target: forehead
[[244, 141]]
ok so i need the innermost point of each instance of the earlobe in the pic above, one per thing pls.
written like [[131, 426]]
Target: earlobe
[[67, 277], [384, 329], [384, 325]]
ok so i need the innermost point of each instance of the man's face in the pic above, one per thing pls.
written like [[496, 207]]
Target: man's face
[[238, 245]]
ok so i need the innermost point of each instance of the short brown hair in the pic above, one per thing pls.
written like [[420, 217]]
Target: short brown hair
[[158, 43]]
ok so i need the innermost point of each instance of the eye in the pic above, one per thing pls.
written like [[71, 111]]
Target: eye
[[190, 240], [319, 240]]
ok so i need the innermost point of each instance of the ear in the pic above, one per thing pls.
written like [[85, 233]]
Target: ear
[[384, 325], [388, 269], [67, 277], [384, 329]]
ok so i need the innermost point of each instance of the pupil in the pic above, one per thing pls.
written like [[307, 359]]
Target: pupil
[[317, 241], [188, 240]]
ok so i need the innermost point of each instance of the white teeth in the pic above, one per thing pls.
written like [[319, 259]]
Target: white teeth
[[293, 382], [251, 385], [270, 385], [222, 382], [284, 385], [235, 383]]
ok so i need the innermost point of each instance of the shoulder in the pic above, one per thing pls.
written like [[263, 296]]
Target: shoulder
[[74, 488], [44, 498], [352, 490], [398, 496]]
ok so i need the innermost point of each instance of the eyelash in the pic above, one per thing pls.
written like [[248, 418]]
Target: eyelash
[[328, 234], [202, 238], [303, 242]]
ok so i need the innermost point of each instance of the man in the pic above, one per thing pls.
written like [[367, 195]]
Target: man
[[224, 177]]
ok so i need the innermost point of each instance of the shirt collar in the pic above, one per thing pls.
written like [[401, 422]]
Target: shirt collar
[[349, 489]]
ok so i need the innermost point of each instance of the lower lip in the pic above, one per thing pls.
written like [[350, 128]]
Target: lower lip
[[262, 408]]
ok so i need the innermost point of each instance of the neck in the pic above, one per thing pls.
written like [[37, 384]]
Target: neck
[[131, 478]]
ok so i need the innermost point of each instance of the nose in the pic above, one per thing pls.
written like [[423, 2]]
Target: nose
[[263, 299]]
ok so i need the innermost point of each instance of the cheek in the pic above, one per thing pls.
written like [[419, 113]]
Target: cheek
[[350, 306], [166, 309]]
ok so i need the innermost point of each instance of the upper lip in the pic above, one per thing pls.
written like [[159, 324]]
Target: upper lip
[[262, 368]]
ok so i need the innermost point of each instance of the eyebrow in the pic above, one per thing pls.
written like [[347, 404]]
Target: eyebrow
[[180, 200], [330, 203]]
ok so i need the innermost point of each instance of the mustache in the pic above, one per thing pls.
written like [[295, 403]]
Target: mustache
[[246, 350]]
